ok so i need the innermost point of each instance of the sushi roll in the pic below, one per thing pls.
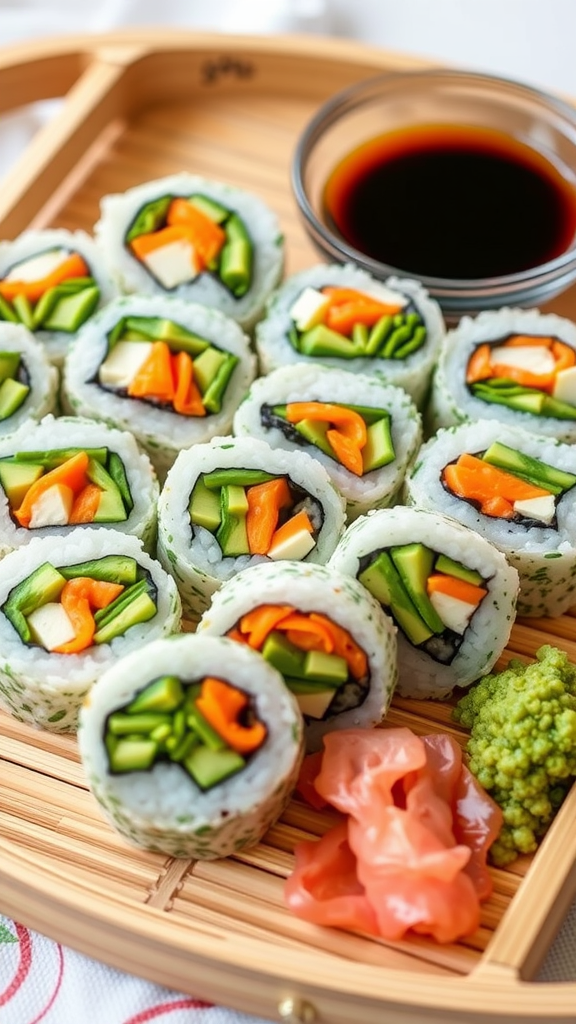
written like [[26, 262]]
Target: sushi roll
[[236, 502], [203, 241], [517, 366], [70, 473], [52, 282], [28, 381], [451, 594], [192, 746], [69, 608], [364, 432], [342, 317], [169, 371], [328, 636], [520, 495]]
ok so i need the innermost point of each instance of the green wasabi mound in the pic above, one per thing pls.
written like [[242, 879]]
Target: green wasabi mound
[[522, 746]]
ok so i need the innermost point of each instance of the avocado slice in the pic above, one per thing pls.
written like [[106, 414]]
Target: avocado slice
[[155, 328], [151, 217], [6, 312], [231, 534], [328, 669], [111, 568], [379, 448], [322, 341], [236, 257], [414, 564], [453, 568], [71, 311], [314, 431], [132, 755], [17, 477], [214, 393], [110, 506], [206, 366], [12, 395], [539, 473], [284, 655], [9, 365], [23, 308], [204, 506], [383, 581], [210, 208], [209, 767], [43, 585], [141, 609], [238, 477], [163, 694]]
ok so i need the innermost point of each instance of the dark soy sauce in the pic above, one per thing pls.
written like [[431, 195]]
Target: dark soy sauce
[[452, 202]]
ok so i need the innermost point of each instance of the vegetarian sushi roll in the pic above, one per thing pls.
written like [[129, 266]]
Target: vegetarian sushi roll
[[517, 366], [52, 282], [192, 746], [451, 594], [64, 474], [69, 608], [203, 241], [323, 631], [342, 317], [364, 432], [28, 381], [235, 502], [169, 371], [519, 495]]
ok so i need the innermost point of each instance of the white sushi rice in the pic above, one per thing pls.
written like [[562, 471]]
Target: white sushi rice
[[307, 382], [545, 556], [162, 809], [194, 557], [43, 378], [118, 211], [79, 432], [161, 432], [322, 589], [451, 402], [32, 243], [412, 373], [489, 630], [46, 689]]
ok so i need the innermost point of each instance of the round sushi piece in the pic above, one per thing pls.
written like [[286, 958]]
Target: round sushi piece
[[342, 317], [328, 636], [52, 282], [192, 746], [169, 371], [517, 366], [201, 240], [28, 381], [69, 473], [520, 495], [236, 502], [451, 593], [364, 432], [69, 608]]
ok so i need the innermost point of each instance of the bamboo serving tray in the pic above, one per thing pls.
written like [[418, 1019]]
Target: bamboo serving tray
[[141, 105]]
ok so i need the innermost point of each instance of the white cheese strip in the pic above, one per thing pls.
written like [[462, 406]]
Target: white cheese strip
[[37, 267], [294, 548], [173, 264], [51, 626], [309, 309], [535, 359], [314, 704], [565, 386], [122, 364], [541, 508], [455, 614], [53, 507]]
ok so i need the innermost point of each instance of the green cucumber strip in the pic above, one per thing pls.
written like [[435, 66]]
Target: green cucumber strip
[[132, 755], [151, 217], [121, 724], [399, 336], [204, 506], [72, 310], [378, 334], [9, 365], [12, 395], [541, 474], [7, 313], [104, 615], [237, 477], [24, 311], [116, 334], [450, 567], [360, 336], [415, 342], [414, 564], [383, 581], [196, 721], [117, 471], [163, 694], [154, 328], [236, 257], [212, 397], [56, 456], [559, 410], [379, 448], [210, 207], [110, 568], [41, 586], [322, 341], [139, 610]]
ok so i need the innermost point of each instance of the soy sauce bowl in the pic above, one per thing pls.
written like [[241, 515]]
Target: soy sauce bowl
[[516, 125]]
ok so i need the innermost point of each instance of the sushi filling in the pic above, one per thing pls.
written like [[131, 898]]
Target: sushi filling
[[14, 383], [347, 323], [210, 728], [68, 609], [431, 597], [160, 362], [503, 483], [358, 437], [178, 238], [251, 512], [66, 486], [52, 291], [322, 665], [533, 374]]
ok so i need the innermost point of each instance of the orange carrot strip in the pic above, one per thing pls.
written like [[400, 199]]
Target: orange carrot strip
[[347, 421], [142, 245], [342, 296], [342, 318], [264, 504], [72, 473], [345, 646], [528, 341], [307, 633], [564, 356], [208, 236], [348, 453], [498, 507], [79, 596], [479, 366], [221, 705], [476, 480], [261, 621], [154, 378], [461, 590], [72, 266], [296, 524], [85, 505], [187, 398], [542, 381]]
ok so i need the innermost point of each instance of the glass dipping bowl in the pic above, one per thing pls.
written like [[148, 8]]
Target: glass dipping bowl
[[399, 101]]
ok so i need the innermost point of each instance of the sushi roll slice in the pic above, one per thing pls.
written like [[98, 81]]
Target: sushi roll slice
[[451, 594], [192, 746], [323, 631], [236, 502], [52, 282], [70, 473], [203, 241], [169, 371], [28, 381], [69, 608], [520, 495], [342, 317], [364, 432], [517, 366]]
